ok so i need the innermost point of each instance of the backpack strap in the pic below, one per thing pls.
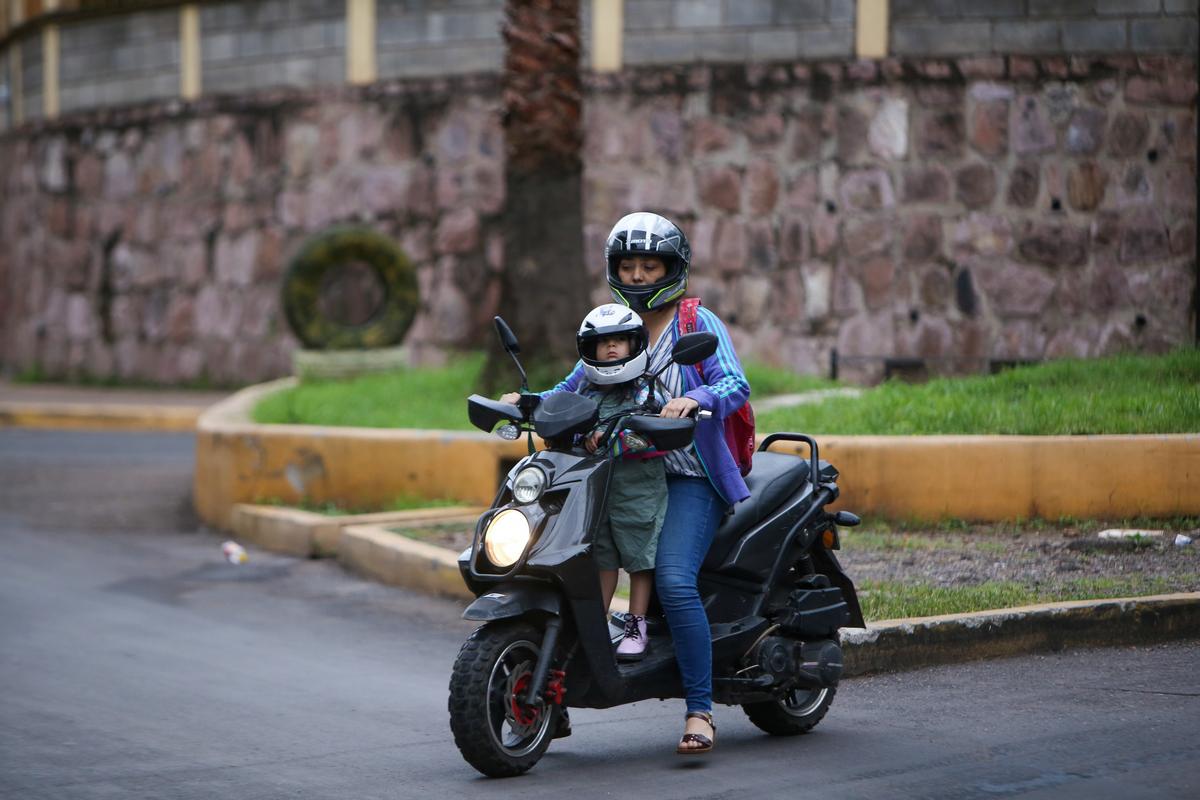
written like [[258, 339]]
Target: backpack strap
[[687, 321]]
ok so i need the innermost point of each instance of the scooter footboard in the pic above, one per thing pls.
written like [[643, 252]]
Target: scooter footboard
[[513, 600]]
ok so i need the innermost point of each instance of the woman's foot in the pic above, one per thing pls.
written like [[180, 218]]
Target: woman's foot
[[699, 734], [633, 645]]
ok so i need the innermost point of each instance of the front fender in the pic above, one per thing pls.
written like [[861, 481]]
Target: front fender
[[514, 600]]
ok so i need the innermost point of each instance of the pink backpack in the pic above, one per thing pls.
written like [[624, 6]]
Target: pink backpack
[[739, 426]]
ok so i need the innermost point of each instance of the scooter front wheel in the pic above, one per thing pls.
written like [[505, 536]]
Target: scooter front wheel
[[496, 731], [799, 711]]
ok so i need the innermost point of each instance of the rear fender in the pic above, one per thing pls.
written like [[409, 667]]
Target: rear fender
[[827, 564]]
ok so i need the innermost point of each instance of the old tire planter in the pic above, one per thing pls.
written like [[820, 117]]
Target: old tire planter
[[329, 251]]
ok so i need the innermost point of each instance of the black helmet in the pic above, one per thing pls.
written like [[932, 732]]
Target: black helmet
[[645, 234]]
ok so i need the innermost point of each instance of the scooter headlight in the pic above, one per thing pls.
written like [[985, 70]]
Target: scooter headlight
[[506, 537], [528, 485]]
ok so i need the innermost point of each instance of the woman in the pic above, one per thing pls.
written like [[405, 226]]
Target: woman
[[647, 258]]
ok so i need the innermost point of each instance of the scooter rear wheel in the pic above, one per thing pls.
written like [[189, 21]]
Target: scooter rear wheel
[[495, 730], [797, 712]]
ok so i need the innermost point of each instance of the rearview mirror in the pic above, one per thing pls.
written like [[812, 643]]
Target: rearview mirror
[[507, 338], [692, 348]]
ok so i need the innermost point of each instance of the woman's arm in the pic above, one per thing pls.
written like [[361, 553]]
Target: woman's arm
[[726, 388], [571, 383]]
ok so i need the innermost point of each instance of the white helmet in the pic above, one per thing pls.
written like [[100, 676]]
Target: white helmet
[[612, 319]]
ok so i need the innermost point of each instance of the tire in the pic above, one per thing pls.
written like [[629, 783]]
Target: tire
[[798, 712], [329, 251], [496, 736]]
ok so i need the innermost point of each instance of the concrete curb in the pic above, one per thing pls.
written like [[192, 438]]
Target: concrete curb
[[905, 644], [395, 559], [101, 417], [306, 534], [894, 645], [980, 478]]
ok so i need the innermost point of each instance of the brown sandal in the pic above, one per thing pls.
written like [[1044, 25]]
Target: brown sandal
[[706, 744]]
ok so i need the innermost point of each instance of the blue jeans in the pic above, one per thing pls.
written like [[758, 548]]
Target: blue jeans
[[694, 509]]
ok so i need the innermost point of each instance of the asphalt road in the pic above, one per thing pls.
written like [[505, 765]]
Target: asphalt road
[[135, 662]]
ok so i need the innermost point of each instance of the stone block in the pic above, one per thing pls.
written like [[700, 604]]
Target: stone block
[[1085, 186], [1025, 37], [721, 45], [923, 9], [940, 134], [941, 38], [989, 128], [1053, 245], [697, 13], [927, 184], [1120, 8], [867, 190], [1093, 36], [1061, 8], [1032, 131], [839, 10], [832, 42], [774, 45], [1085, 134], [1127, 134], [975, 185], [762, 187], [660, 48], [648, 15], [720, 188], [753, 13], [991, 8], [1163, 35], [888, 132], [922, 238]]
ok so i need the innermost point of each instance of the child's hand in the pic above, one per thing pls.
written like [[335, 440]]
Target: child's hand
[[592, 441], [510, 397]]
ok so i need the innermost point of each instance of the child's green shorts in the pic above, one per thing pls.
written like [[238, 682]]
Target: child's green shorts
[[637, 504]]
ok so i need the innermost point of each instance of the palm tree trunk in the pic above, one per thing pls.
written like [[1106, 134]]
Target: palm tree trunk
[[544, 286]]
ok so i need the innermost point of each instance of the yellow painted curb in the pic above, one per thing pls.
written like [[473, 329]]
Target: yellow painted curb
[[303, 533], [977, 478], [995, 478], [238, 461], [114, 417], [390, 558], [397, 560]]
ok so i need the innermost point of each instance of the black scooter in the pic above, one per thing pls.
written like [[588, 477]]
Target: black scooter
[[774, 592]]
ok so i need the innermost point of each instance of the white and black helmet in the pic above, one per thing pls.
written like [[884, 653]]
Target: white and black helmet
[[612, 319], [645, 234]]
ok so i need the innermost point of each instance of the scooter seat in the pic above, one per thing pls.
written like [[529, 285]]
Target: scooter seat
[[775, 476]]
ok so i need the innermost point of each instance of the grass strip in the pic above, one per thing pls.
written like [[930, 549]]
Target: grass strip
[[1116, 395], [896, 599]]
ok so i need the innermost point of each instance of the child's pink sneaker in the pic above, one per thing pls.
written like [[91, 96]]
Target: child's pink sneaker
[[633, 645]]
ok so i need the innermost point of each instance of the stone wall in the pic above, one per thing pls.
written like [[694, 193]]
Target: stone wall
[[973, 27], [120, 59], [983, 208], [969, 209], [149, 245], [255, 45]]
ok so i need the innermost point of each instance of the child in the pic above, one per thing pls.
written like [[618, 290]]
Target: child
[[612, 343]]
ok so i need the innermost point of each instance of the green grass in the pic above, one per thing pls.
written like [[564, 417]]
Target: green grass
[[432, 397], [766, 381], [330, 509], [893, 599], [1121, 394], [426, 397]]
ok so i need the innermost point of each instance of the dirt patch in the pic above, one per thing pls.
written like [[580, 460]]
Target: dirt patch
[[1043, 558], [1037, 556]]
